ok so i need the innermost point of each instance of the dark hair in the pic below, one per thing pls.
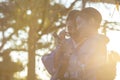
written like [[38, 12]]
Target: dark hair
[[87, 13], [90, 12], [72, 15]]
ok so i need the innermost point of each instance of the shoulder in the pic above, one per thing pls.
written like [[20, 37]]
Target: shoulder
[[97, 39], [94, 43]]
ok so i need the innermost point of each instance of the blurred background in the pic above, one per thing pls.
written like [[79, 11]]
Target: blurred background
[[26, 28]]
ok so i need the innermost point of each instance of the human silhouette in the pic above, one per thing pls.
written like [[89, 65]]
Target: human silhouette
[[80, 56]]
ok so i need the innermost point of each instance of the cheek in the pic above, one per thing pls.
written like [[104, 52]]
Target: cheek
[[82, 25], [70, 29]]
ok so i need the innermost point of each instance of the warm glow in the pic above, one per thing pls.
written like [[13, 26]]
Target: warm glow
[[114, 43]]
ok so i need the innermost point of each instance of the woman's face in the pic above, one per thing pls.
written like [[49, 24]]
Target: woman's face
[[71, 26], [78, 27]]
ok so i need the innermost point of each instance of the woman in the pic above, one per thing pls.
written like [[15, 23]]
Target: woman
[[90, 52], [80, 56]]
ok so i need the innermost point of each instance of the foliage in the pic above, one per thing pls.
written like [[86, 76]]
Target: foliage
[[29, 21]]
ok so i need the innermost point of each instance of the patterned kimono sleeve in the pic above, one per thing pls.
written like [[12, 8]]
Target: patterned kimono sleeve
[[48, 61]]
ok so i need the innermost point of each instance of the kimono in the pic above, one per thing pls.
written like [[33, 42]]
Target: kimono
[[84, 59], [88, 58]]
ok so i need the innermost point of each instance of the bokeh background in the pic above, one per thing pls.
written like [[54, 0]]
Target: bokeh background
[[26, 28]]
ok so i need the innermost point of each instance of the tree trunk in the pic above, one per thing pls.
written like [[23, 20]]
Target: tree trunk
[[83, 3], [31, 53]]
